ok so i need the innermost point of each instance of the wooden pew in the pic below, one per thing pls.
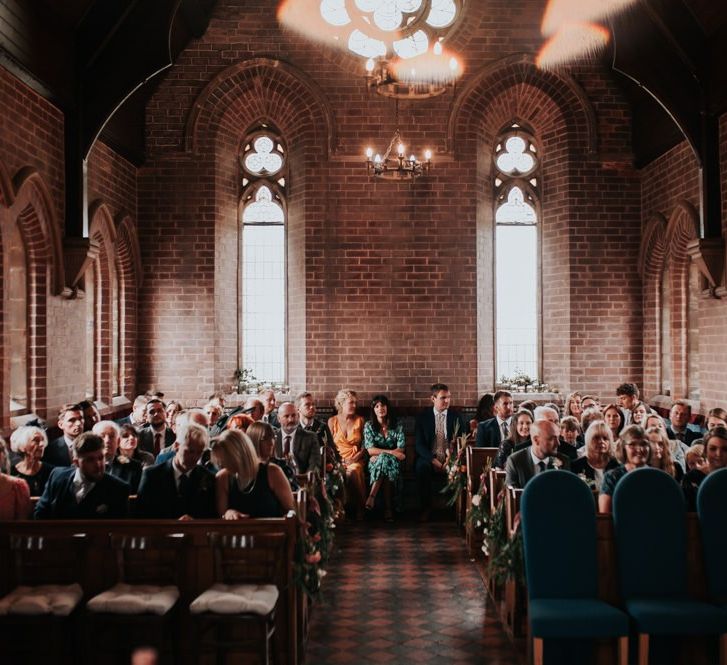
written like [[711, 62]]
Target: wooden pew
[[99, 565], [476, 460]]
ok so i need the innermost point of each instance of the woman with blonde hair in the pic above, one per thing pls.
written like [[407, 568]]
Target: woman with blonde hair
[[347, 431], [29, 443], [262, 436], [573, 405], [247, 487], [598, 458], [661, 453], [633, 451]]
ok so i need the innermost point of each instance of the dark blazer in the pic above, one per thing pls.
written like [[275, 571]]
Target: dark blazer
[[489, 434], [129, 472], [326, 438], [146, 439], [109, 498], [519, 467], [158, 497], [56, 453], [306, 449], [507, 447], [581, 466], [272, 419], [690, 435], [424, 431]]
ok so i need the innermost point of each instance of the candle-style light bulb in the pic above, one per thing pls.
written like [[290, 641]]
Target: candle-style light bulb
[[370, 65], [428, 155], [377, 159], [453, 64], [412, 159], [437, 49], [369, 153], [401, 149]]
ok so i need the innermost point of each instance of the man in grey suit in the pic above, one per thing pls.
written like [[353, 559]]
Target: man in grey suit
[[292, 438], [540, 456]]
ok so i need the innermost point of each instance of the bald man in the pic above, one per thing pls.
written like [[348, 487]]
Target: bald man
[[540, 456]]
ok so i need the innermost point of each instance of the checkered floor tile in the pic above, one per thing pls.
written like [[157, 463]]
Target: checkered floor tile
[[405, 594]]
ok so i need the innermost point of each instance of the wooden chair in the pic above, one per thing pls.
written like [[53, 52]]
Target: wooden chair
[[497, 483], [143, 604], [45, 598], [239, 609]]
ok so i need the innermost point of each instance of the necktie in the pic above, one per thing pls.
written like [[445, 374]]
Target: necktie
[[541, 466], [505, 430], [157, 443], [440, 433], [81, 491], [286, 445]]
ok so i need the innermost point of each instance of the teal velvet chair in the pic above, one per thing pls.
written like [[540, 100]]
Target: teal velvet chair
[[649, 518], [559, 534], [712, 511]]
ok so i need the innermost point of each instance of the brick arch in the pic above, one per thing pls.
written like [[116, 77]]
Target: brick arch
[[682, 228], [128, 266], [483, 103], [652, 259], [103, 232], [270, 89]]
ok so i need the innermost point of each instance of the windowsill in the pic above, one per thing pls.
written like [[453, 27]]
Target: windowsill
[[545, 397], [666, 401]]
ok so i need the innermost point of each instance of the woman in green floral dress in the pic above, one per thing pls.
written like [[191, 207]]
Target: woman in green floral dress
[[384, 442]]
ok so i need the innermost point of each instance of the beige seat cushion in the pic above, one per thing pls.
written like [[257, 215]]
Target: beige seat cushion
[[236, 599], [56, 599], [135, 599]]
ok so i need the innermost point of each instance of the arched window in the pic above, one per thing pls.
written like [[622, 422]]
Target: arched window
[[517, 270], [263, 254], [16, 306]]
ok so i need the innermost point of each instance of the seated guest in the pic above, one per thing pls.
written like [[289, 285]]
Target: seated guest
[[122, 467], [590, 402], [306, 406], [14, 493], [247, 487], [590, 415], [633, 451], [547, 412], [59, 452], [676, 448], [570, 432], [573, 405], [384, 442], [241, 421], [173, 409], [540, 456], [262, 436], [661, 455], [91, 415], [347, 431], [528, 405], [299, 447], [179, 488], [614, 418], [639, 413], [598, 458], [485, 408], [84, 491], [129, 446], [137, 417], [519, 438], [491, 433], [627, 396], [716, 417], [254, 408], [156, 435], [214, 411], [678, 426], [197, 416], [433, 430], [715, 453], [28, 443], [695, 456], [267, 397]]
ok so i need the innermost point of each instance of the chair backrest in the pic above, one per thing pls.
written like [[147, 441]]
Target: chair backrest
[[477, 459], [649, 519], [144, 559], [43, 559], [497, 484], [558, 521], [248, 558], [712, 511]]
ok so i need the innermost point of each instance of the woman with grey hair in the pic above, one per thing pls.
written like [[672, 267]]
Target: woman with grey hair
[[29, 443], [598, 458]]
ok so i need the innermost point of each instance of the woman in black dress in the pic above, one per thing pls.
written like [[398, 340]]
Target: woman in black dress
[[247, 487], [599, 455], [29, 443]]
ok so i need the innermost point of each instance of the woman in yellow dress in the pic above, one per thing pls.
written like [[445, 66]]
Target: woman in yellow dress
[[347, 431]]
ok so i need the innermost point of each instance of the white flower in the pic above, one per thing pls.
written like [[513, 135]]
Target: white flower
[[479, 524], [476, 500], [557, 463]]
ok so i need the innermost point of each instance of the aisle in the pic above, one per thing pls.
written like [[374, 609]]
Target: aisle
[[403, 594]]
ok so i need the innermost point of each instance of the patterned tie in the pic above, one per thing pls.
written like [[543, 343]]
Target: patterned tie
[[505, 430], [286, 445], [440, 433]]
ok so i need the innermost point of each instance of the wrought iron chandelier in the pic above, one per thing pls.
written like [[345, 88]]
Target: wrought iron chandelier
[[397, 166]]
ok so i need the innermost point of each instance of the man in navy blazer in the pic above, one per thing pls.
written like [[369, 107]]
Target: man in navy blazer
[[491, 433], [156, 435], [59, 452], [179, 488], [84, 491], [431, 449]]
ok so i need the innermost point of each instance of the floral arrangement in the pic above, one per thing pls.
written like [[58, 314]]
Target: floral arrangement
[[316, 541], [248, 384], [521, 382], [590, 482], [335, 486], [456, 468]]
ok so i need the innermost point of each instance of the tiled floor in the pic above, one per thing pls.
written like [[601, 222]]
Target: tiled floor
[[405, 594]]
